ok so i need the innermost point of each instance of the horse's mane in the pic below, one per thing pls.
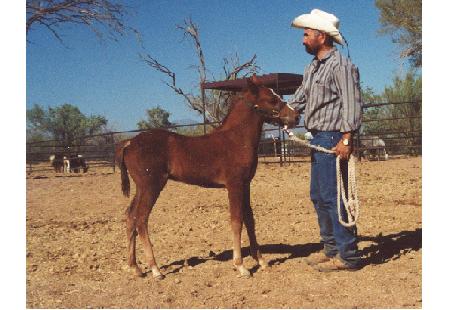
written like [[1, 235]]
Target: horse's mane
[[234, 99]]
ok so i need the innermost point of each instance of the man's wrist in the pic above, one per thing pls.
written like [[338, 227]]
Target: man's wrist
[[347, 139], [347, 135]]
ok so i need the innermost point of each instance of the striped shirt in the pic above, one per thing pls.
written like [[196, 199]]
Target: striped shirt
[[330, 94]]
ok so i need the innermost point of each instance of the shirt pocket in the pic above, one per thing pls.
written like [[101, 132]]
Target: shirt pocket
[[325, 89], [320, 86]]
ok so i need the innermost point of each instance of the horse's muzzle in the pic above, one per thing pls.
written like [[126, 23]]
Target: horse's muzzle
[[289, 117]]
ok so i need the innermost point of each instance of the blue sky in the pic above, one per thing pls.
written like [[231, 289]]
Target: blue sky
[[108, 78]]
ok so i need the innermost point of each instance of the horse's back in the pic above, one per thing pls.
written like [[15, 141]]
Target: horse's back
[[147, 150], [158, 145], [208, 160]]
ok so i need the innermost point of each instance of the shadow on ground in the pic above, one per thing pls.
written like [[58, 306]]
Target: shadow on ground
[[382, 250], [391, 247]]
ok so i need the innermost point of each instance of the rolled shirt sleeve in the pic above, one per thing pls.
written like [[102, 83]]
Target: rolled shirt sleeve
[[347, 82]]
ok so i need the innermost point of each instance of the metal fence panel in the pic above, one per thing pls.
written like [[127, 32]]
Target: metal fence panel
[[275, 147]]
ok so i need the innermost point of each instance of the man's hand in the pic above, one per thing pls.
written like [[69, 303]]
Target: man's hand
[[344, 151]]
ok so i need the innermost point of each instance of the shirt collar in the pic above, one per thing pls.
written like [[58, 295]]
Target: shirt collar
[[327, 55]]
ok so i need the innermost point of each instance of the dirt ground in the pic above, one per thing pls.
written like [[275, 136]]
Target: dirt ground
[[77, 256]]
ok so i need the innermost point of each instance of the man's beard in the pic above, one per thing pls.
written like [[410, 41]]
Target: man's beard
[[311, 50]]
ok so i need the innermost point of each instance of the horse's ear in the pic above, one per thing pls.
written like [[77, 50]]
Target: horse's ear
[[255, 79], [252, 85]]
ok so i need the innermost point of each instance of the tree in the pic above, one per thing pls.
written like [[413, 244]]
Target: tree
[[101, 16], [370, 97], [404, 114], [216, 102], [407, 89], [403, 20], [63, 123], [156, 118]]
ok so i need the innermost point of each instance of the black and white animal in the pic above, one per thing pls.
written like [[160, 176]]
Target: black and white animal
[[375, 148], [77, 163], [66, 164], [57, 161]]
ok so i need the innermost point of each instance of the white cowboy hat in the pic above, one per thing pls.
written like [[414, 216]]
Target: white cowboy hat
[[322, 21]]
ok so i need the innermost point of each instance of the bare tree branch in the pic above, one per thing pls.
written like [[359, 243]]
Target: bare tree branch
[[191, 30], [216, 102], [219, 101], [152, 62], [101, 16], [238, 68]]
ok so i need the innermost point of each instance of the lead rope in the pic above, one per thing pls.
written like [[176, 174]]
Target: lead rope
[[351, 203]]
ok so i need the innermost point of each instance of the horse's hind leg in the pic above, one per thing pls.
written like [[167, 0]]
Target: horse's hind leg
[[131, 234], [149, 196], [249, 222]]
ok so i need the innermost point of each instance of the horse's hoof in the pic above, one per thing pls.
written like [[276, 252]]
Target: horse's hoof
[[263, 265], [135, 270], [244, 276], [243, 272], [158, 276], [139, 274]]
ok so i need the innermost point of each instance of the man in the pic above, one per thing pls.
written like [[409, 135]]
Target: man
[[331, 99]]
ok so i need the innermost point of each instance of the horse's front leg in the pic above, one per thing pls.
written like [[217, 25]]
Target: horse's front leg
[[249, 222], [236, 198]]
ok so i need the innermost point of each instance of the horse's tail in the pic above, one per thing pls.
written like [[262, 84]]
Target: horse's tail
[[120, 151]]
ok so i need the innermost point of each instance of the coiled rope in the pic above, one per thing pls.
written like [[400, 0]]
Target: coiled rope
[[351, 203]]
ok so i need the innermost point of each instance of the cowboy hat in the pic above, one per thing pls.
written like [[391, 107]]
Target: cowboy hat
[[322, 21]]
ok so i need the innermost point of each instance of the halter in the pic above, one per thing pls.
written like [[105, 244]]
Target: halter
[[275, 113]]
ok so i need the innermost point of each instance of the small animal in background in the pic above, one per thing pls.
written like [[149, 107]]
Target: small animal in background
[[376, 148], [65, 164], [57, 161], [75, 164]]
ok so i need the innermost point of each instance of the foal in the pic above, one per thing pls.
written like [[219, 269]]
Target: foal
[[226, 157]]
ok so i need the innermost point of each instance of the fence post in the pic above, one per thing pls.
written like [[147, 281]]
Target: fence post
[[358, 144], [28, 154], [285, 149], [281, 146], [113, 155], [202, 96]]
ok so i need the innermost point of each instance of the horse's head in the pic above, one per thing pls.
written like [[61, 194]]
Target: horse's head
[[266, 102]]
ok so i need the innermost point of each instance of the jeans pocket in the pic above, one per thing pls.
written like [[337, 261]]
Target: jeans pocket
[[331, 140], [326, 142]]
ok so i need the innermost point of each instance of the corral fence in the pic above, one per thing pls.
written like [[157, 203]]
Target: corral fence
[[392, 128], [400, 133]]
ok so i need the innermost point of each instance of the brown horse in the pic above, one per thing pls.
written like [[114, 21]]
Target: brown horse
[[226, 157]]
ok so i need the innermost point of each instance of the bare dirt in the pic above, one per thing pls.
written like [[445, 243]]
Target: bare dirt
[[76, 244]]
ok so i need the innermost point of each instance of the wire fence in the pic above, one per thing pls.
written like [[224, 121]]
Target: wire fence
[[389, 129], [388, 133]]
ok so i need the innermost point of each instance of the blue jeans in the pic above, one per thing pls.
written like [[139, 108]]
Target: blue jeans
[[335, 237]]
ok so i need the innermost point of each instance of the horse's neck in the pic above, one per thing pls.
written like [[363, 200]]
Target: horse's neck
[[242, 117], [240, 114]]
